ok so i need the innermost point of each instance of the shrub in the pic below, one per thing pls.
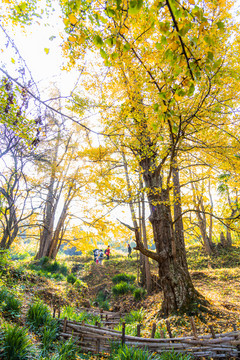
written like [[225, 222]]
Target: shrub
[[132, 353], [104, 305], [19, 256], [4, 258], [101, 299], [49, 269], [67, 350], [80, 285], [173, 355], [122, 288], [38, 315], [44, 260], [16, 344], [48, 335], [11, 306], [135, 316], [71, 279], [3, 294], [139, 294], [59, 277], [123, 277]]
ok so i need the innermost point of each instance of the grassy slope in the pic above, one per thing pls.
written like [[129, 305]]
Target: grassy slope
[[217, 278]]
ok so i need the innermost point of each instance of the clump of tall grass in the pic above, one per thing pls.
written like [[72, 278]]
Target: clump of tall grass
[[71, 314], [132, 353], [38, 315], [122, 288], [123, 278], [10, 304], [139, 294], [66, 351], [15, 344]]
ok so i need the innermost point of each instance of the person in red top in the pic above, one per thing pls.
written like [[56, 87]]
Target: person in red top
[[107, 252]]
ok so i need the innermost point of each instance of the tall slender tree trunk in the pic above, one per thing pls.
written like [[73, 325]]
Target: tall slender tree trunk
[[10, 230], [147, 272], [48, 221]]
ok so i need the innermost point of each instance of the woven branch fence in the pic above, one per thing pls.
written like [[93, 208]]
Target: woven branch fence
[[97, 339]]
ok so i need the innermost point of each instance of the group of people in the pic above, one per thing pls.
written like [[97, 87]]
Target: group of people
[[99, 255]]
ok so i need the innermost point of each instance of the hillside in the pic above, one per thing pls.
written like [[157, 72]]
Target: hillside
[[74, 283]]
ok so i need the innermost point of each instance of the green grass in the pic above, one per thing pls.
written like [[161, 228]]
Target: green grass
[[123, 278], [38, 315], [222, 258], [122, 288], [71, 279], [11, 307], [72, 314], [15, 344]]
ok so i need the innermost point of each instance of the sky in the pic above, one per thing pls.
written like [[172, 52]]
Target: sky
[[42, 55]]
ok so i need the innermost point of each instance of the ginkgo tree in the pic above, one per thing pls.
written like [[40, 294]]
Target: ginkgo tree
[[60, 181], [171, 82]]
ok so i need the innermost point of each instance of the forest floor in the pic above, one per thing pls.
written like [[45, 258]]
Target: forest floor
[[217, 278]]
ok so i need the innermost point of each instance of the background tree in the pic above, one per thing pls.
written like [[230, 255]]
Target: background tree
[[15, 188], [57, 164]]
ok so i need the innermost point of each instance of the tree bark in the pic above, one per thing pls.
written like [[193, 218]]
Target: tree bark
[[146, 264], [176, 283]]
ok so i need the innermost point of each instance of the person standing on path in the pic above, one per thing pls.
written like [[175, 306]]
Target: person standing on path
[[100, 257], [95, 253], [107, 252], [129, 251]]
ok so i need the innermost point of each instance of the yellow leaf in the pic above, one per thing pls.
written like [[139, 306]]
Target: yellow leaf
[[72, 38], [174, 46], [177, 97], [192, 2], [72, 18], [66, 21], [164, 108]]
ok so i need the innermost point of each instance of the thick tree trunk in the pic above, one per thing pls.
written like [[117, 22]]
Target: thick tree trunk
[[176, 283], [178, 290]]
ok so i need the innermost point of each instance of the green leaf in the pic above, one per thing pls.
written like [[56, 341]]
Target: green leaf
[[164, 40], [135, 6], [156, 107], [175, 129], [158, 46], [184, 30], [118, 2], [98, 40], [220, 25], [103, 54], [52, 37], [114, 55], [110, 12], [169, 54], [217, 63], [111, 41], [210, 55], [126, 47], [191, 90]]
